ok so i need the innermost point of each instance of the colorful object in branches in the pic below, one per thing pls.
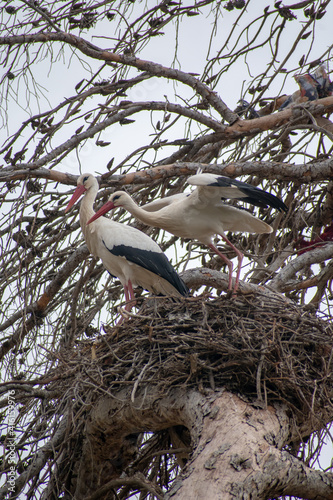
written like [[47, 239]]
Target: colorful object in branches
[[308, 87], [312, 87], [324, 86], [202, 214], [303, 246]]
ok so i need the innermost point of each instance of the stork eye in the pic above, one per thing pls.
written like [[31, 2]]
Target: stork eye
[[116, 197], [85, 178]]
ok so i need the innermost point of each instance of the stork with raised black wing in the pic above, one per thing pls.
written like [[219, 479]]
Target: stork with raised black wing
[[202, 214], [126, 252]]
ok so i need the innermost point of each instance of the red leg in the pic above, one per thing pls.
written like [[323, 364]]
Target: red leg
[[229, 263], [129, 299], [240, 260], [127, 296], [131, 295], [226, 260]]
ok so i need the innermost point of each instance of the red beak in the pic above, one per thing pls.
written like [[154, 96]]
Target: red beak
[[76, 195], [103, 210]]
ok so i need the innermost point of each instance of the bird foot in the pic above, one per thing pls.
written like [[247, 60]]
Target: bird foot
[[232, 293]]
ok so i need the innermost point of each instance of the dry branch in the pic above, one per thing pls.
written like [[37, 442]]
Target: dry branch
[[152, 68], [40, 459], [37, 310], [280, 282], [307, 172]]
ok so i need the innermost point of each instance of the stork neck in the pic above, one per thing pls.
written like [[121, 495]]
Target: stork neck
[[149, 218], [87, 204]]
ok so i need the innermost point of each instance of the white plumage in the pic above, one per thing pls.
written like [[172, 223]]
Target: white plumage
[[202, 214], [126, 252]]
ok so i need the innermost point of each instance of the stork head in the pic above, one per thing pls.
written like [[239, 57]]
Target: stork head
[[117, 199], [84, 183]]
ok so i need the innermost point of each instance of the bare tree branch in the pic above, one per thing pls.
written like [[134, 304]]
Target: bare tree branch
[[40, 459], [299, 263], [152, 68]]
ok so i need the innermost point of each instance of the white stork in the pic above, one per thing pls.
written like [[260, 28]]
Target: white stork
[[202, 214], [126, 252]]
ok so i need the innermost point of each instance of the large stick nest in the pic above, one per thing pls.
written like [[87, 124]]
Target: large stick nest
[[262, 347]]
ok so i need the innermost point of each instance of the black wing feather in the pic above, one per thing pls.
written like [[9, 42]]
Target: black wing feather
[[152, 261], [252, 194]]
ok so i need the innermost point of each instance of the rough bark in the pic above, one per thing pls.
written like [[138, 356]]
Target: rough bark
[[311, 172], [108, 447], [237, 448], [239, 457]]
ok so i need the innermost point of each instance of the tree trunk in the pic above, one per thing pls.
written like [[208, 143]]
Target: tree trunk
[[237, 448]]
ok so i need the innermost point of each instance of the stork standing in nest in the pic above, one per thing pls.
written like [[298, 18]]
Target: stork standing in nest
[[202, 214], [126, 252]]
